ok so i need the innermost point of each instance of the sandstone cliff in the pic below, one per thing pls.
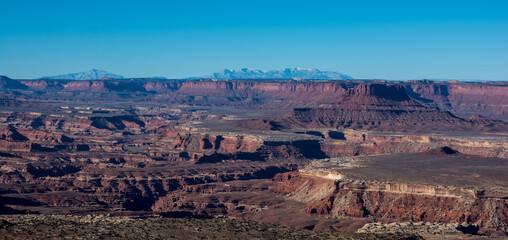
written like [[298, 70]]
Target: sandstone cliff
[[462, 99], [380, 107]]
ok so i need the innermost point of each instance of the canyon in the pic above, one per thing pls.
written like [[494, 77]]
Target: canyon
[[348, 155]]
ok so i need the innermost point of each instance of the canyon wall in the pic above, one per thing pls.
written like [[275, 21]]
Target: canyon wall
[[463, 99], [395, 202]]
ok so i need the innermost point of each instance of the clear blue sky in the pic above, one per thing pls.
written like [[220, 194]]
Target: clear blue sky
[[366, 39]]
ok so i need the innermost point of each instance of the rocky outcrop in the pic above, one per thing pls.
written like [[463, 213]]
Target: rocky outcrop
[[395, 202], [7, 83], [10, 133], [356, 143], [219, 143], [463, 99], [208, 148], [379, 107], [116, 122]]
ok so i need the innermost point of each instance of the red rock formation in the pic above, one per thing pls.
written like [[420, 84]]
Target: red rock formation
[[92, 86], [7, 83], [93, 154], [218, 143], [372, 143], [463, 99], [10, 133], [400, 203], [379, 107]]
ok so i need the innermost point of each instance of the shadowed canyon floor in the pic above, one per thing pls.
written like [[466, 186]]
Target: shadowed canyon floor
[[342, 156]]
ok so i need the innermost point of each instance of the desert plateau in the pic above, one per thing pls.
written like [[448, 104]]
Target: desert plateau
[[342, 120], [413, 158]]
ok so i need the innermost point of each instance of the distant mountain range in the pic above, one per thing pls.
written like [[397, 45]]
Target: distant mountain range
[[92, 74], [286, 73], [244, 73]]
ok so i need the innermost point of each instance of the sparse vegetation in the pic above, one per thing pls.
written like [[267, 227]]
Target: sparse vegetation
[[103, 227]]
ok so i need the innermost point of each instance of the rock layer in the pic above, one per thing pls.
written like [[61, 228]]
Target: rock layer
[[397, 203], [462, 99], [378, 107], [182, 148]]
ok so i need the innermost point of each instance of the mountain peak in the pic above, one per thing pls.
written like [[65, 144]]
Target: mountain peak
[[286, 73], [92, 74]]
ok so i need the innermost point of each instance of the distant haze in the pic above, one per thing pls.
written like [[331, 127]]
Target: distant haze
[[244, 73], [286, 73], [92, 74]]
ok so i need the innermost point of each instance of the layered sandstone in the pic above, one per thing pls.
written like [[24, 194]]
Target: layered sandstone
[[384, 108], [144, 146], [462, 99], [393, 189]]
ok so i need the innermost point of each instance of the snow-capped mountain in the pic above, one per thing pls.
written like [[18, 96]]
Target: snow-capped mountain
[[286, 73], [92, 74]]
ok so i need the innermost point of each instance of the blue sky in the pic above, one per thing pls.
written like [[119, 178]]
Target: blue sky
[[176, 39]]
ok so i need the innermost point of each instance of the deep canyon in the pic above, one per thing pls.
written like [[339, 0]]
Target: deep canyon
[[317, 155]]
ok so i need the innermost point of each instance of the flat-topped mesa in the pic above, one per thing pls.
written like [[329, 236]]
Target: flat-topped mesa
[[377, 96], [390, 92], [384, 107]]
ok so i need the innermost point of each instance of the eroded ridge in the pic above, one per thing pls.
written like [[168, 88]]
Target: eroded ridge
[[437, 186]]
